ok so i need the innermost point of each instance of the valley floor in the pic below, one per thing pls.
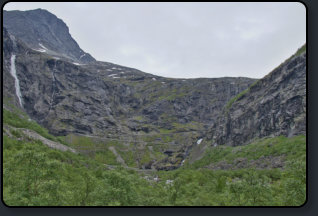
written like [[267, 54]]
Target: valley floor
[[268, 172]]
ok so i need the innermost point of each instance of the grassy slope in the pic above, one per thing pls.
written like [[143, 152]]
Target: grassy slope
[[35, 175], [293, 149]]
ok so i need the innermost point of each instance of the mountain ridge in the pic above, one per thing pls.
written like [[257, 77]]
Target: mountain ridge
[[38, 29], [274, 105], [104, 99]]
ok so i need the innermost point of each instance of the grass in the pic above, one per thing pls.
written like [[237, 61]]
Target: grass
[[129, 157], [20, 121], [35, 175], [138, 118], [239, 96], [105, 157], [293, 148], [301, 50]]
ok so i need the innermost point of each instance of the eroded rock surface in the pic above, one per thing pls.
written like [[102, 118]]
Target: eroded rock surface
[[273, 106]]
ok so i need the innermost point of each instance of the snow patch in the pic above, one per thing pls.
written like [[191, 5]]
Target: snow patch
[[78, 64], [41, 45], [111, 75], [82, 55], [122, 72], [39, 50], [182, 162], [154, 79], [163, 82], [199, 141]]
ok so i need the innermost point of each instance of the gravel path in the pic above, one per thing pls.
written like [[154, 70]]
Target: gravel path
[[49, 143], [118, 157]]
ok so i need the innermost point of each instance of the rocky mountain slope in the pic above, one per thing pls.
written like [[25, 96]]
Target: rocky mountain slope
[[91, 98], [44, 32], [273, 106], [71, 94]]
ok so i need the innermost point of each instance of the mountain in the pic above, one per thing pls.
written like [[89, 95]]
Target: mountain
[[272, 106], [44, 32], [81, 132], [162, 120]]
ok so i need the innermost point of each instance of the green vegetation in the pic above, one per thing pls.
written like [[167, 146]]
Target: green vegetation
[[105, 157], [35, 175], [93, 148], [21, 121], [292, 148], [138, 118], [301, 50], [191, 126], [129, 157], [237, 97], [232, 100], [172, 96], [167, 93], [80, 141]]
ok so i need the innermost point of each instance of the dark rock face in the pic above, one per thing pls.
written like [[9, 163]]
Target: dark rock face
[[43, 31], [264, 162], [98, 97], [275, 105]]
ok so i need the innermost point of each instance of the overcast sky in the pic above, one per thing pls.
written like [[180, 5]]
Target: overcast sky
[[185, 40]]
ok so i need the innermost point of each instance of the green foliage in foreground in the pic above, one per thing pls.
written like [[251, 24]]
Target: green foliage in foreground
[[35, 175]]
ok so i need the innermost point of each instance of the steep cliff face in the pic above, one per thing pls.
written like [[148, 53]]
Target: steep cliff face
[[11, 46], [70, 94], [97, 97], [44, 32], [273, 106]]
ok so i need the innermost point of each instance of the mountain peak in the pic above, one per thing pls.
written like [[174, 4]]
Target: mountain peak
[[44, 32]]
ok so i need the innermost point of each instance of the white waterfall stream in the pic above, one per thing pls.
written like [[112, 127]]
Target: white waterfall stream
[[16, 84], [199, 141], [53, 86]]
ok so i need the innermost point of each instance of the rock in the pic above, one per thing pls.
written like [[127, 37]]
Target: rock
[[263, 162], [273, 106], [67, 91], [64, 97], [43, 31], [168, 152]]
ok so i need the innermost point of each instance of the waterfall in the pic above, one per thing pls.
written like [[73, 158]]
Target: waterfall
[[53, 86], [17, 84]]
